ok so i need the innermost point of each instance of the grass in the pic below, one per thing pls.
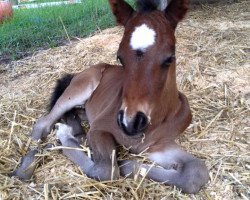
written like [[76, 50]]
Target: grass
[[39, 1], [34, 29]]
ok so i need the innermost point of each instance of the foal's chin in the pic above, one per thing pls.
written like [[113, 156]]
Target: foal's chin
[[137, 136], [134, 135]]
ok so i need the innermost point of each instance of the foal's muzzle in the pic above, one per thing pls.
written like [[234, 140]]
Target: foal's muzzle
[[133, 126]]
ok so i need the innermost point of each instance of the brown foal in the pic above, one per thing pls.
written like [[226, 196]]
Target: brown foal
[[135, 104]]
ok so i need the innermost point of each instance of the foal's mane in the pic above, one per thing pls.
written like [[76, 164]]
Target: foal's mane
[[147, 5]]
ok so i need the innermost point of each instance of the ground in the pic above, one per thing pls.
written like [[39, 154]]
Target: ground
[[213, 71]]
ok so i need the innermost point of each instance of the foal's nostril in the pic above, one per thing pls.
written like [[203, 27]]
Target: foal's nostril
[[140, 122], [120, 121], [131, 127]]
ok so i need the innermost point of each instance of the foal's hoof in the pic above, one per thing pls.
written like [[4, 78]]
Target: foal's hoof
[[27, 166], [104, 172], [127, 167]]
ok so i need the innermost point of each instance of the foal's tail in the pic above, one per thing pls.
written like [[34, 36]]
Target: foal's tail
[[61, 85]]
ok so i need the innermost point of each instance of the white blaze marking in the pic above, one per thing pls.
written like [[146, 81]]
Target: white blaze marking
[[142, 38]]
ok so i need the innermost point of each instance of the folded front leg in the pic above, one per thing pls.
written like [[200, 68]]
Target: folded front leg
[[190, 173], [104, 164], [104, 156], [176, 167]]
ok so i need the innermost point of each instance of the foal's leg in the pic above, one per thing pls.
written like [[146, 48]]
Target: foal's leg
[[72, 119], [76, 94], [104, 156], [70, 136], [178, 168], [104, 166], [28, 164], [66, 136]]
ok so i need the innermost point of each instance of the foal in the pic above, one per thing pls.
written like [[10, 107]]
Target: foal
[[135, 104]]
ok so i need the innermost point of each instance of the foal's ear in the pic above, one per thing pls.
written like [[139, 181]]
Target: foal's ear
[[121, 10], [176, 10]]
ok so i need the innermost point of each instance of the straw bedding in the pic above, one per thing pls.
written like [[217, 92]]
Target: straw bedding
[[213, 71]]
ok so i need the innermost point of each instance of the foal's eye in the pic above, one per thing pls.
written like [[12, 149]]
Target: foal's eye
[[167, 61]]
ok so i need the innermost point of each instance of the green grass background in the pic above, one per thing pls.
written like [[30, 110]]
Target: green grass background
[[32, 29]]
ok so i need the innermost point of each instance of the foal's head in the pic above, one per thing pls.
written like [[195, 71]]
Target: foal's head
[[147, 55]]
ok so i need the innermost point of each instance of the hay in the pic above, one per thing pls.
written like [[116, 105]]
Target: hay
[[213, 71]]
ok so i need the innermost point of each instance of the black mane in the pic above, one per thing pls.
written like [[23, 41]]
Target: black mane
[[147, 5]]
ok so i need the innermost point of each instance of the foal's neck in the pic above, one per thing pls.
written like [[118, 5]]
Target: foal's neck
[[169, 102]]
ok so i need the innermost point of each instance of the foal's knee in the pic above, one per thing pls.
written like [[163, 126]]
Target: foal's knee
[[41, 128]]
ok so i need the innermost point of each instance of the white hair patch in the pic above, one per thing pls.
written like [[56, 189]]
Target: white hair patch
[[163, 4], [142, 38]]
